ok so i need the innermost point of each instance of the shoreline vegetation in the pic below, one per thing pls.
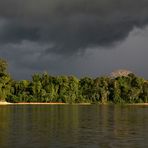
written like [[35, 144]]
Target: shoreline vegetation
[[122, 87]]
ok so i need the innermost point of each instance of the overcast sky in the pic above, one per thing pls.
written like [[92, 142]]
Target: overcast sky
[[74, 37]]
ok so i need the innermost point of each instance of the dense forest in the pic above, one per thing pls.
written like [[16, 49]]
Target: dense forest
[[69, 89]]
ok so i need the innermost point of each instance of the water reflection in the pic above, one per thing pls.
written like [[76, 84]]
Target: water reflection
[[73, 126]]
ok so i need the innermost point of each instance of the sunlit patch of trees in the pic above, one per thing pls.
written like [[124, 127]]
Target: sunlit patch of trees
[[69, 89]]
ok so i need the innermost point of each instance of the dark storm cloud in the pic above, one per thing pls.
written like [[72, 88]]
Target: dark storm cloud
[[70, 26], [15, 32], [59, 35]]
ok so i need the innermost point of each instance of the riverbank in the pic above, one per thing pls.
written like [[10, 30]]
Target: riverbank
[[57, 103], [41, 103], [139, 104], [31, 103], [54, 103], [4, 103]]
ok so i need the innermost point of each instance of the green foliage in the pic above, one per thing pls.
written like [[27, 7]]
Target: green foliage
[[5, 81], [69, 89], [85, 89], [144, 92], [3, 66]]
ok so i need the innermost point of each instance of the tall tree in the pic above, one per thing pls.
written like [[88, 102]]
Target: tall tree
[[5, 80]]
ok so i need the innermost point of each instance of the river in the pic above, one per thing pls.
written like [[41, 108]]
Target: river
[[73, 126]]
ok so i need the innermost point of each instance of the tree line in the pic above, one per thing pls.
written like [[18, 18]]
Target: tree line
[[69, 89]]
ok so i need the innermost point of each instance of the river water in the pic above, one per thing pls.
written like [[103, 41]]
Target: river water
[[73, 126]]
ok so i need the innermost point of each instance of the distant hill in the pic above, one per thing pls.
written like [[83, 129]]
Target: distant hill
[[120, 72]]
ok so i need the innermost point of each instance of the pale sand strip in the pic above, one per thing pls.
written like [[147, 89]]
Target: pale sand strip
[[146, 104], [56, 103], [50, 103], [41, 103], [31, 103], [4, 103]]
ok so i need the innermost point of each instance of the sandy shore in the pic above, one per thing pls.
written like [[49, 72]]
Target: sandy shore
[[55, 103], [139, 104], [4, 103], [41, 103], [50, 103], [8, 103]]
